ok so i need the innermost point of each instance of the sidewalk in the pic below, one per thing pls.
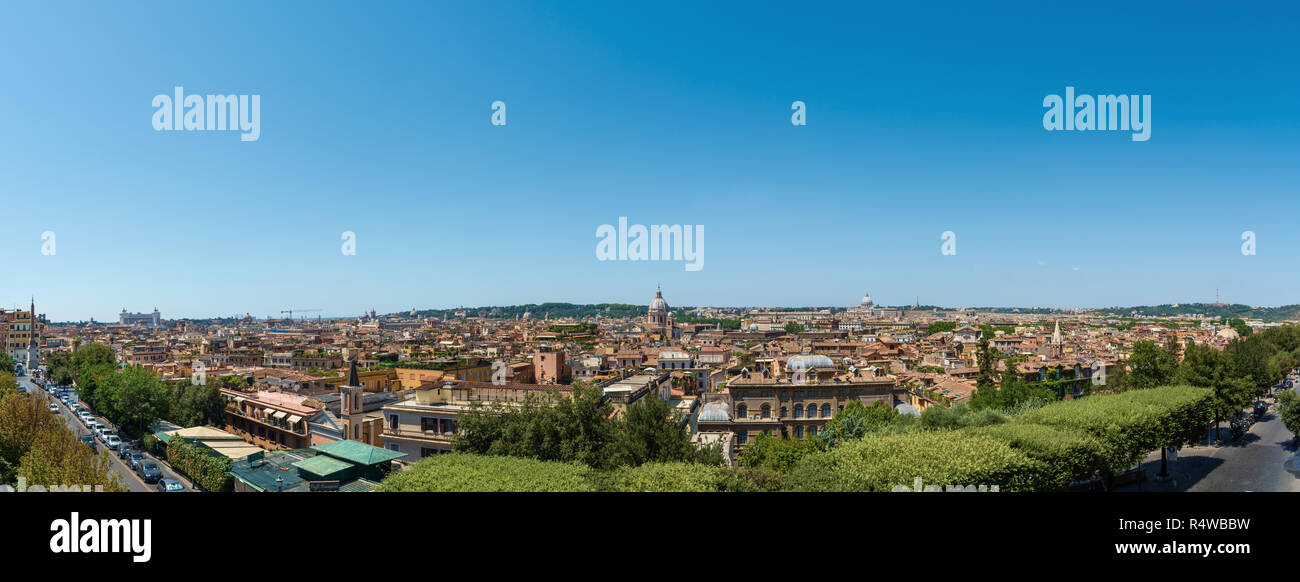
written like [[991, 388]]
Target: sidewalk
[[1250, 463]]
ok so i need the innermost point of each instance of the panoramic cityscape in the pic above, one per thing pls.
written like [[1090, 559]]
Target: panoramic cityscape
[[610, 276], [681, 398]]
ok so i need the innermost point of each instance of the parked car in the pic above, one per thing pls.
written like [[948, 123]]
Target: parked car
[[54, 408], [89, 440], [170, 486], [112, 442], [134, 459], [149, 471]]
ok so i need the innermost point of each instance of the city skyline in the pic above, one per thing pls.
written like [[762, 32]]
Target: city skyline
[[321, 314]]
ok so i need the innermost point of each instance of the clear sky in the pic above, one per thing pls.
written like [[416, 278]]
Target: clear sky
[[375, 119]]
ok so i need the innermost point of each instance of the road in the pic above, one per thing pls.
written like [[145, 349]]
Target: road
[[118, 467], [1251, 463]]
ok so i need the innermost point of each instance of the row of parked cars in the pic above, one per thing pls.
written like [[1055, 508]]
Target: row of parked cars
[[128, 451]]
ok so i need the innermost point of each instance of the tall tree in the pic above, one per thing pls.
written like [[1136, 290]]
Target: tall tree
[[987, 364], [1150, 365]]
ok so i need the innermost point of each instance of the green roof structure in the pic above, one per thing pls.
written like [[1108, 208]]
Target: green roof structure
[[358, 452], [325, 468]]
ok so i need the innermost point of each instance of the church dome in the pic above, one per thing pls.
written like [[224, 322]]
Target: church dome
[[866, 299], [658, 304]]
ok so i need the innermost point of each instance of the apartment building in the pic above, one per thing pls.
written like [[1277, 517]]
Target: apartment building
[[797, 402], [271, 420]]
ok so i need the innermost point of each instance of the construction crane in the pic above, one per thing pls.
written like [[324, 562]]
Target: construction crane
[[290, 311]]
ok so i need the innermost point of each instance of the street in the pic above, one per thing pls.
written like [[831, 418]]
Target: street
[[1251, 463], [118, 466]]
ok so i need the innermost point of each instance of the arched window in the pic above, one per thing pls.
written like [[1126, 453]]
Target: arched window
[[826, 410], [812, 411], [741, 411], [798, 411], [766, 410]]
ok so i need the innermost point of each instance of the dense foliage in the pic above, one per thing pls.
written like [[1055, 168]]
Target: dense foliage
[[206, 467], [39, 447], [1068, 454], [581, 427], [777, 454], [1132, 423], [942, 458], [464, 472]]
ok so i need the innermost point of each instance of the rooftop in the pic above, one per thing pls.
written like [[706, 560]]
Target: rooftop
[[358, 452]]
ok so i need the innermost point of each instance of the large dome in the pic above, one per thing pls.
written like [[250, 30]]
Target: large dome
[[866, 299], [658, 303]]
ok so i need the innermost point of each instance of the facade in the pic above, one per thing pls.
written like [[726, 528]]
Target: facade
[[20, 333], [798, 402], [271, 420], [549, 367], [421, 425], [153, 320]]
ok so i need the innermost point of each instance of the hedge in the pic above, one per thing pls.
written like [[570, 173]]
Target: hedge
[[1068, 454], [1041, 450], [209, 469], [663, 477], [1130, 424], [466, 472], [938, 458]]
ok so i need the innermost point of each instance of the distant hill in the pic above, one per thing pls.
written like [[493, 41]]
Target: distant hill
[[542, 310], [1208, 309]]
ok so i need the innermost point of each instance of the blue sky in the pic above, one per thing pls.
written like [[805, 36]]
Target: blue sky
[[375, 118]]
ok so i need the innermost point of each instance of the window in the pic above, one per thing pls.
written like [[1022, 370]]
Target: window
[[428, 423], [812, 411], [392, 421], [394, 447], [741, 410], [741, 437], [798, 432], [826, 410], [766, 411], [427, 451], [783, 412], [812, 431], [798, 411]]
